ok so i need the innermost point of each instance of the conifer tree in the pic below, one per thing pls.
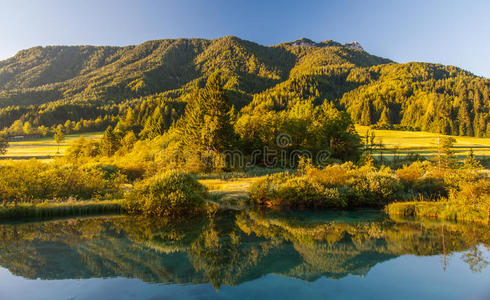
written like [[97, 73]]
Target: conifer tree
[[155, 125], [470, 162], [3, 145], [448, 158], [385, 117], [128, 142], [206, 128], [366, 114], [217, 133], [464, 118], [193, 120], [110, 142]]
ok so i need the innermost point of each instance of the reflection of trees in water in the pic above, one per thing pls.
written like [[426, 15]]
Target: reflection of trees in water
[[228, 248], [475, 259]]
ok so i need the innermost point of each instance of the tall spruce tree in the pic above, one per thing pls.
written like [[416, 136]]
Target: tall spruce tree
[[206, 128], [110, 142], [190, 126], [385, 116], [217, 131], [155, 125]]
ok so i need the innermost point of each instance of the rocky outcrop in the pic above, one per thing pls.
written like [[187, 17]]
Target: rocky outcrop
[[329, 43]]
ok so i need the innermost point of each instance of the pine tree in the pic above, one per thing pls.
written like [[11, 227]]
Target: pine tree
[[366, 113], [465, 126], [3, 145], [448, 158], [128, 141], [154, 126], [110, 142], [385, 117], [471, 162], [190, 127], [217, 132], [206, 128]]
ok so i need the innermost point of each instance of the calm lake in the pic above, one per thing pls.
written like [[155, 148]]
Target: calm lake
[[245, 255]]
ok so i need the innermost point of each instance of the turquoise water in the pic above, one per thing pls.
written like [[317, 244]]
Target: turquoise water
[[245, 255]]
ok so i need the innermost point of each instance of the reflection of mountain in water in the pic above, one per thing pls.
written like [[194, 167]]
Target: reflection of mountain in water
[[227, 249]]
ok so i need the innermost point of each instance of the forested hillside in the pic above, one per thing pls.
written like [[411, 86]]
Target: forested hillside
[[145, 88]]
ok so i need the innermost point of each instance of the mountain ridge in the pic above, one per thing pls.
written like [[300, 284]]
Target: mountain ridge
[[374, 90]]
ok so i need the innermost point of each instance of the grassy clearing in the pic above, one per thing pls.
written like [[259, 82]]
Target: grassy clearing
[[232, 191], [401, 142], [43, 148], [66, 209], [439, 210], [424, 143]]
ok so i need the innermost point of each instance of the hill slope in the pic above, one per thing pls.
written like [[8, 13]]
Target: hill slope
[[46, 86]]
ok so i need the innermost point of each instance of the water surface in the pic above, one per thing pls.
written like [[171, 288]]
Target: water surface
[[245, 255]]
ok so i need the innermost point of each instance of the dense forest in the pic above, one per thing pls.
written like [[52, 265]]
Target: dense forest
[[146, 88]]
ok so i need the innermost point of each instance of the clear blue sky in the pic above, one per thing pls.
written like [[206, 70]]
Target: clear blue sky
[[447, 32]]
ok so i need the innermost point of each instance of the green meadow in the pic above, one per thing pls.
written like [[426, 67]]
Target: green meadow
[[395, 142], [43, 148], [402, 143]]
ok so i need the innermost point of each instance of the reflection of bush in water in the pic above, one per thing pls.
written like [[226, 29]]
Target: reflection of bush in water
[[400, 237], [228, 248]]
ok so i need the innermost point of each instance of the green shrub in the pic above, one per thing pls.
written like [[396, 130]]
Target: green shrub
[[171, 193], [444, 210], [472, 193], [373, 189], [336, 186], [469, 200], [301, 191], [412, 173], [264, 190], [29, 181]]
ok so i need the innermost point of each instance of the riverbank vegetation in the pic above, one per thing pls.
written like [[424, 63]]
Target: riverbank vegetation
[[470, 201], [432, 190], [50, 209], [171, 193], [31, 181]]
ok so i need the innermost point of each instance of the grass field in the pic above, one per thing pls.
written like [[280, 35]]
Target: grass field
[[229, 192], [42, 148], [401, 142], [424, 143]]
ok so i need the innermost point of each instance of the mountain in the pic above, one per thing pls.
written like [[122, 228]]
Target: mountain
[[46, 86], [115, 73]]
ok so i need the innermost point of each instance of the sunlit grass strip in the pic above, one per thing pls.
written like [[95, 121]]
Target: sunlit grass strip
[[45, 147], [423, 143], [60, 209], [440, 210]]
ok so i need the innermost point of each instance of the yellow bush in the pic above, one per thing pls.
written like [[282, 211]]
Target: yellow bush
[[171, 193], [411, 173]]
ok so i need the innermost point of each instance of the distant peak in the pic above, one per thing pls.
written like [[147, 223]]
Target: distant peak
[[328, 43], [303, 42], [354, 45]]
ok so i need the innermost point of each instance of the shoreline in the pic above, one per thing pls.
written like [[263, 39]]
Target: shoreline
[[64, 209]]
